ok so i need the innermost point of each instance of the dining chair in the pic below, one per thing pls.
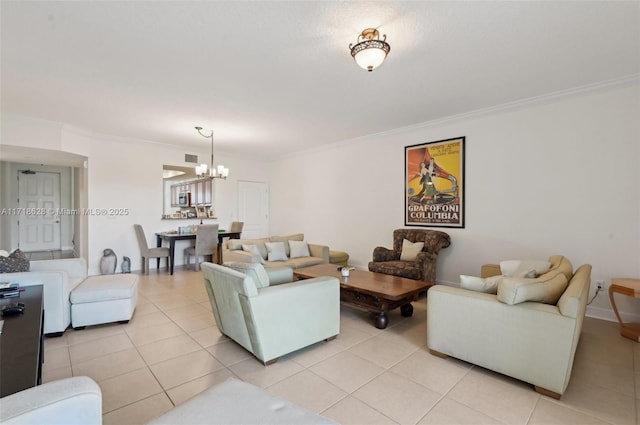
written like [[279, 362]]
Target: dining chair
[[206, 244], [236, 226], [148, 253]]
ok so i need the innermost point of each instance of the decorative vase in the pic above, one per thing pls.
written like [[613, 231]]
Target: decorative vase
[[108, 262], [126, 265]]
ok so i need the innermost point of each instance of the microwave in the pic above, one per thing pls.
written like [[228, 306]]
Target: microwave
[[184, 199]]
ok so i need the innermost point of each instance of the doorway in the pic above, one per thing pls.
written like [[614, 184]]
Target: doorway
[[253, 209], [39, 208]]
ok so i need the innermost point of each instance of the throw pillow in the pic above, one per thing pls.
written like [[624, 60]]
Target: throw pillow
[[4, 253], [487, 285], [546, 289], [16, 262], [275, 251], [523, 268], [286, 239], [299, 249], [410, 250], [254, 250], [254, 270]]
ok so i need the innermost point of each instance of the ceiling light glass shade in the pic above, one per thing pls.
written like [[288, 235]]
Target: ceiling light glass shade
[[223, 171], [370, 51], [201, 170]]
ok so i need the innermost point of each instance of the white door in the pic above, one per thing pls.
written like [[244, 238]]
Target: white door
[[253, 209], [39, 203]]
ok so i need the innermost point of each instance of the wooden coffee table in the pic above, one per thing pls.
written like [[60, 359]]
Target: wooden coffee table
[[374, 292]]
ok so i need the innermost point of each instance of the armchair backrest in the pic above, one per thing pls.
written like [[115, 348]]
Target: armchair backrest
[[434, 240], [224, 287]]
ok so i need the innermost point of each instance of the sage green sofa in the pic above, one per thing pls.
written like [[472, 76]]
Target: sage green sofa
[[267, 317], [532, 341]]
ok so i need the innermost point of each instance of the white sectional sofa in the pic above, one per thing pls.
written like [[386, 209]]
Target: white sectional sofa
[[318, 254], [58, 278], [78, 401]]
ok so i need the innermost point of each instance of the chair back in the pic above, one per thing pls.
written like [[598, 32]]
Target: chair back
[[206, 239], [225, 288], [434, 240], [237, 226], [142, 240]]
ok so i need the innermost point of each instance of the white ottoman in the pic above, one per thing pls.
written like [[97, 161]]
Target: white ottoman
[[104, 299]]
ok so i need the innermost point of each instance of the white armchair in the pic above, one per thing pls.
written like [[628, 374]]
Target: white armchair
[[71, 401], [58, 278], [270, 319], [530, 341]]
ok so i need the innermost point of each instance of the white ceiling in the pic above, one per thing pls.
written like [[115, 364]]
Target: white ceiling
[[273, 78]]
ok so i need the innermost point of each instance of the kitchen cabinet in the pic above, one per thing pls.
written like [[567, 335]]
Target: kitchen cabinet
[[201, 192]]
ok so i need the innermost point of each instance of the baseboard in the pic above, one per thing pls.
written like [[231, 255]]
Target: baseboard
[[608, 314], [601, 313]]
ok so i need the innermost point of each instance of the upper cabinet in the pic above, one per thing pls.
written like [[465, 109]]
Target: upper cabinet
[[200, 190]]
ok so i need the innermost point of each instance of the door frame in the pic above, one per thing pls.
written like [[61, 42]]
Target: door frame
[[41, 211]]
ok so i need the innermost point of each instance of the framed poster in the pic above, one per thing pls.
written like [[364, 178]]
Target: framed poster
[[434, 184]]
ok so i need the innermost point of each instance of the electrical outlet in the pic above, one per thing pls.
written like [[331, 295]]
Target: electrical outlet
[[600, 284]]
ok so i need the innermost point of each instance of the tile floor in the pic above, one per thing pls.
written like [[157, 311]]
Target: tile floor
[[172, 350]]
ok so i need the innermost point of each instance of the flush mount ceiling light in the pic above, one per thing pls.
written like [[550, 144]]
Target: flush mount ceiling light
[[219, 172], [369, 51]]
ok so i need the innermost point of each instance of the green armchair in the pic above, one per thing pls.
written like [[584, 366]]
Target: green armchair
[[269, 318]]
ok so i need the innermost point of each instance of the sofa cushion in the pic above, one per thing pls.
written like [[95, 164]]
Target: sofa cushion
[[546, 289], [254, 250], [254, 270], [276, 251], [236, 244], [487, 285], [524, 268], [237, 402], [16, 262], [298, 249], [410, 250], [105, 288], [296, 263]]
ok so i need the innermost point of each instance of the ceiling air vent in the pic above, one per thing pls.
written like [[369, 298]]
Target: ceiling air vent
[[191, 158]]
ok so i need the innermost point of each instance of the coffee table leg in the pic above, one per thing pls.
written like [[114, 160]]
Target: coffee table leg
[[382, 320], [406, 310]]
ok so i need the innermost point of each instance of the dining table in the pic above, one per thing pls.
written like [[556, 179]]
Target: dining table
[[173, 236]]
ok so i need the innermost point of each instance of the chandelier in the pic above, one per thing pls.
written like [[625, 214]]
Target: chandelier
[[370, 51], [219, 172]]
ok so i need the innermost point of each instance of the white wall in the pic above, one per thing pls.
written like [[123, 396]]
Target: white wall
[[558, 176], [128, 174]]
